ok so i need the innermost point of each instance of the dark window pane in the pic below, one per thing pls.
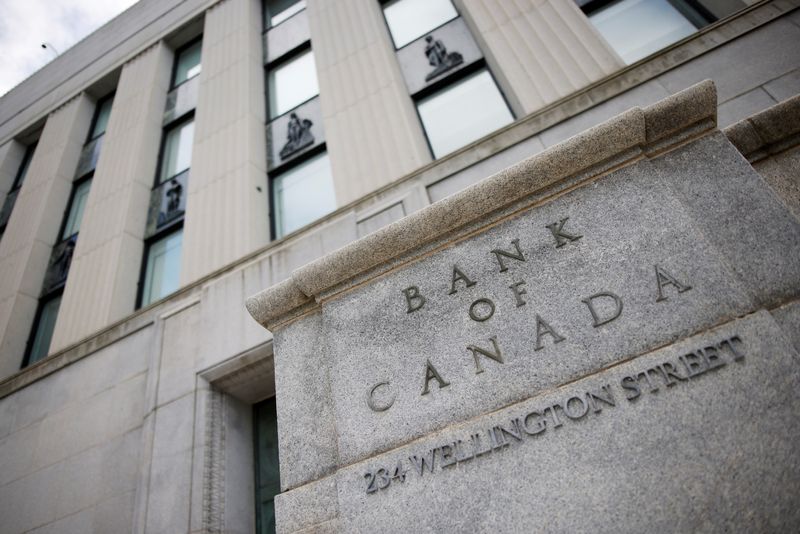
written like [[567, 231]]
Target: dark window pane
[[410, 19], [23, 168], [101, 118], [76, 207], [163, 268], [44, 329], [266, 463], [463, 112], [187, 64], [279, 10]]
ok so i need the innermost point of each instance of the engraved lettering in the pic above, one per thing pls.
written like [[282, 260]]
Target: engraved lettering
[[446, 456], [476, 444], [629, 384], [646, 376], [459, 275], [571, 412], [695, 365], [712, 357], [499, 254], [561, 237], [496, 355], [543, 328], [737, 356], [663, 279], [462, 457], [514, 431], [475, 308], [610, 315], [432, 374], [554, 415], [539, 427], [421, 463], [518, 292], [604, 395], [414, 300], [376, 406], [668, 372]]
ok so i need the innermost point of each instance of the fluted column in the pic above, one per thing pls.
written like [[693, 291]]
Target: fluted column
[[372, 129], [102, 283], [227, 207], [541, 50], [34, 224]]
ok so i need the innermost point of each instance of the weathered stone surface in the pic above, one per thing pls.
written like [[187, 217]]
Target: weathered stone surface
[[658, 266], [717, 452]]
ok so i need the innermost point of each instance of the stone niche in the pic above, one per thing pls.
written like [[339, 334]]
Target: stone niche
[[595, 339]]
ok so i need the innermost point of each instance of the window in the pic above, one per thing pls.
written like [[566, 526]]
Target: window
[[637, 28], [42, 333], [410, 19], [265, 446], [101, 114], [303, 194], [75, 213], [176, 155], [276, 11], [291, 83], [11, 197], [463, 112], [187, 63], [162, 267]]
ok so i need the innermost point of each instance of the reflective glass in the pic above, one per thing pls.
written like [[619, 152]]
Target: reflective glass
[[637, 28], [44, 329], [410, 19], [292, 83], [279, 10], [76, 207], [23, 168], [303, 194], [163, 268], [101, 118], [188, 63], [177, 155], [463, 112], [266, 462]]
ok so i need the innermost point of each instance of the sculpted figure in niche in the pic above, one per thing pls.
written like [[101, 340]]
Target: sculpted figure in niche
[[438, 57], [298, 135]]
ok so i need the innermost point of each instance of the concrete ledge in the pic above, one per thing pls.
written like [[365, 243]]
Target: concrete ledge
[[660, 125], [770, 131]]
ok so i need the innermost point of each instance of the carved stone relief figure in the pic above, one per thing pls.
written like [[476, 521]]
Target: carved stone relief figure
[[298, 136], [439, 59]]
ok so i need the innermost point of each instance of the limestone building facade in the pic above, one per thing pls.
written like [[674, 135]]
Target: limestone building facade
[[190, 153]]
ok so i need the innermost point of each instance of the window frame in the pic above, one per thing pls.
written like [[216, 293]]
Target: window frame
[[266, 16], [175, 227], [178, 51], [285, 59], [281, 169], [384, 3], [447, 82], [98, 105], [171, 126], [75, 185], [692, 10], [24, 166], [43, 300]]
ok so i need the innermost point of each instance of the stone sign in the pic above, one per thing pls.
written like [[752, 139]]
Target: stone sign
[[593, 339]]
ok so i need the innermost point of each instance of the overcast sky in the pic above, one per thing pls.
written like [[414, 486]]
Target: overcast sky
[[26, 24]]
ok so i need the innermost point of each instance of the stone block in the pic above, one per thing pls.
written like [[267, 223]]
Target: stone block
[[743, 106], [306, 506], [784, 87], [788, 317], [304, 396], [715, 452], [179, 349]]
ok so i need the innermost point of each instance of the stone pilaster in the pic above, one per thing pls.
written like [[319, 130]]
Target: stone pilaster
[[102, 282], [34, 224]]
